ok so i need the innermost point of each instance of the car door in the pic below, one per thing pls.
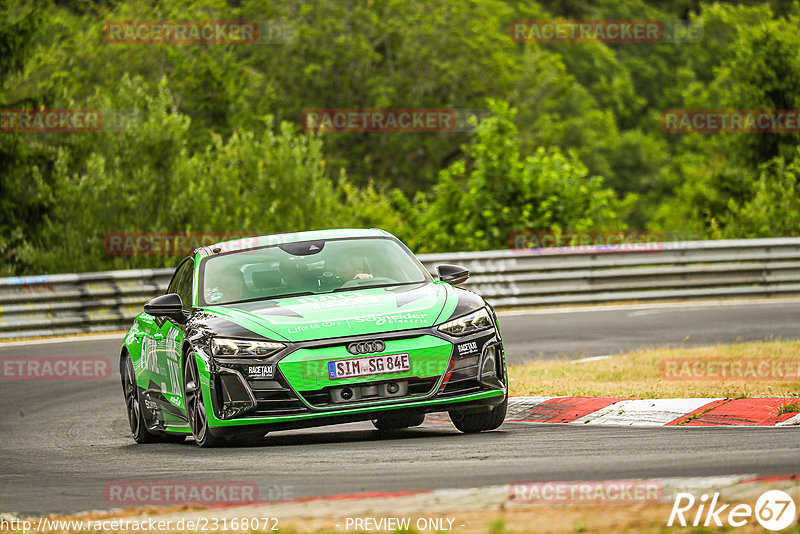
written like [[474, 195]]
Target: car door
[[169, 336], [152, 337], [153, 370]]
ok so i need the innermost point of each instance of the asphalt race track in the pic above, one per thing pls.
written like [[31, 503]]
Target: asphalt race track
[[62, 442], [599, 330]]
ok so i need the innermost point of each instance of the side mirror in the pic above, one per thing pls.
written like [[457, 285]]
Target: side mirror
[[452, 274], [169, 305]]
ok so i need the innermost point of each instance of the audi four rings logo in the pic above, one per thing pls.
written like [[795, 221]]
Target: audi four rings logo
[[365, 347]]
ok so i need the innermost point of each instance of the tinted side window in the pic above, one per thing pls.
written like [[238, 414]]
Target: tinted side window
[[176, 278], [185, 284]]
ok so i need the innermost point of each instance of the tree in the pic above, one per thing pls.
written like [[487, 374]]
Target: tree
[[144, 177], [772, 211], [494, 190], [25, 195]]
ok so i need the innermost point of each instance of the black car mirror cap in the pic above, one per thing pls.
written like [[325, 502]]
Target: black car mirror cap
[[169, 305], [452, 274]]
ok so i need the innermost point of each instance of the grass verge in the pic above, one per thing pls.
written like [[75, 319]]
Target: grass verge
[[641, 374]]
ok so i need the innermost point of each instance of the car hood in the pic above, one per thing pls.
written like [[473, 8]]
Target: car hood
[[343, 314]]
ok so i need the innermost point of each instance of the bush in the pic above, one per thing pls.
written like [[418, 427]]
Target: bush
[[146, 179], [494, 190]]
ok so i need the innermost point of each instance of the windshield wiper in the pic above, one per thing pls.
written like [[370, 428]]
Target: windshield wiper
[[290, 295], [355, 288], [258, 299]]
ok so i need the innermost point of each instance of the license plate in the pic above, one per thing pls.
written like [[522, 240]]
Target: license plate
[[370, 365]]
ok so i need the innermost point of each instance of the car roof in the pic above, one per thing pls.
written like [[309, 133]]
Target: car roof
[[279, 239]]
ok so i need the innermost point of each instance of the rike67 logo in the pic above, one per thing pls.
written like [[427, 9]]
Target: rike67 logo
[[774, 510]]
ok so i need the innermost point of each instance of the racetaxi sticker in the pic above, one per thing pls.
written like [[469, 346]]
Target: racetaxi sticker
[[259, 371], [467, 348]]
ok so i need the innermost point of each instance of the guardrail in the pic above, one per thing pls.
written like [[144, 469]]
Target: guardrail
[[107, 301]]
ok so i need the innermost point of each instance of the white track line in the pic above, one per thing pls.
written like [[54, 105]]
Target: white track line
[[592, 358], [532, 311], [790, 422], [648, 306], [87, 337]]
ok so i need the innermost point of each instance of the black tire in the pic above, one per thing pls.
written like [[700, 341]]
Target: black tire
[[398, 421], [133, 405], [195, 407], [470, 423]]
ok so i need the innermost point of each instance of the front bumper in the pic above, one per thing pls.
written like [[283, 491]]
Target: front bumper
[[475, 402], [446, 373]]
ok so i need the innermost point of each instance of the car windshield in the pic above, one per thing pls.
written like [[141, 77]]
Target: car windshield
[[308, 267]]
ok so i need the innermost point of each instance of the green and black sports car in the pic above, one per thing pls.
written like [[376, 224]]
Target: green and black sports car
[[306, 329]]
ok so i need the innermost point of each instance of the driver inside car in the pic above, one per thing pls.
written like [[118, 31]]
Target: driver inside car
[[351, 268], [229, 287], [295, 275]]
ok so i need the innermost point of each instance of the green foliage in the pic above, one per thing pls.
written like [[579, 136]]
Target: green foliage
[[575, 141], [495, 190], [270, 182], [25, 193], [773, 210], [747, 60]]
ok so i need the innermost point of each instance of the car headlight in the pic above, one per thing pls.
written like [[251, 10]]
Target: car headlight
[[242, 347], [468, 324]]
